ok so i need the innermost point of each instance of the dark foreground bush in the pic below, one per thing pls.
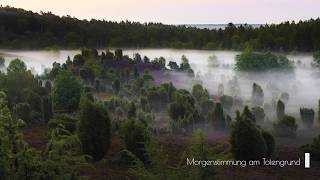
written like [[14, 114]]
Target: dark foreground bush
[[136, 136], [94, 129], [313, 148], [248, 141], [270, 142]]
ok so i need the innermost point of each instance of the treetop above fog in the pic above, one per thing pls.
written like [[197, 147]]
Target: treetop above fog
[[261, 61]]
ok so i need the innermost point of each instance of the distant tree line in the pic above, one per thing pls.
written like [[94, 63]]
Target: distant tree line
[[25, 29]]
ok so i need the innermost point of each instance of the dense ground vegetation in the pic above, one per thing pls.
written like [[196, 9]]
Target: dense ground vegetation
[[96, 97], [93, 97], [24, 29]]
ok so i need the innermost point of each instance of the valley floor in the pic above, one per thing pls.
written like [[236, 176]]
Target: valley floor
[[174, 146]]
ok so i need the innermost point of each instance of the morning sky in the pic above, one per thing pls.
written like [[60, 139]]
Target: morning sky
[[179, 11]]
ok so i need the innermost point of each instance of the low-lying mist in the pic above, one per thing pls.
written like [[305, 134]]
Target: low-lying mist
[[302, 84], [213, 69]]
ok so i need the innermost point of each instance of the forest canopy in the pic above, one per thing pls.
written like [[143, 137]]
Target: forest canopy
[[25, 29]]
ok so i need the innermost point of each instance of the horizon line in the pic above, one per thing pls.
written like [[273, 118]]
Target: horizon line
[[40, 12]]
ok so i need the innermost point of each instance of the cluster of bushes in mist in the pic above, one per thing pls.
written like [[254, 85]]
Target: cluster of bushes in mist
[[254, 61], [93, 97]]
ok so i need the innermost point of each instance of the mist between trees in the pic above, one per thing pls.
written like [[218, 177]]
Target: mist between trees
[[93, 97]]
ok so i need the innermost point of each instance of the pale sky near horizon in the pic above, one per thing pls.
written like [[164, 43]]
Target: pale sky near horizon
[[178, 11]]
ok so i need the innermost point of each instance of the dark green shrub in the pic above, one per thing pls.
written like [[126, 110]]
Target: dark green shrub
[[270, 142], [199, 93], [137, 58], [85, 52], [136, 136], [169, 89], [173, 65], [177, 111], [313, 149], [184, 97], [78, 60], [86, 73], [33, 98], [254, 61], [247, 141], [66, 92], [94, 129], [17, 82], [182, 110], [180, 116], [184, 65]]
